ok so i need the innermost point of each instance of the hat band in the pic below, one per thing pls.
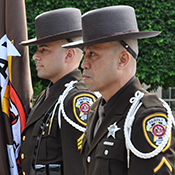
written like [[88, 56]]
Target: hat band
[[90, 37]]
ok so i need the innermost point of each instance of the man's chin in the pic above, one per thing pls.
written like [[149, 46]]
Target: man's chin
[[41, 76]]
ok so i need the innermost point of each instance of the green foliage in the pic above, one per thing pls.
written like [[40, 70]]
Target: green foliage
[[157, 56], [37, 89], [156, 65]]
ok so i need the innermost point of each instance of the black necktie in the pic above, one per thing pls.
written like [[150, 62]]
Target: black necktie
[[101, 114], [47, 93]]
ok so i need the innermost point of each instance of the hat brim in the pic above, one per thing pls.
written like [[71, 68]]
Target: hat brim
[[52, 38], [115, 37]]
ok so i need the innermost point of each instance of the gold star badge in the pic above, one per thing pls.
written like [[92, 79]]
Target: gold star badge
[[112, 130]]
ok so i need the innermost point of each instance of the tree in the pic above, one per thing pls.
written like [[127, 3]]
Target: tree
[[156, 65]]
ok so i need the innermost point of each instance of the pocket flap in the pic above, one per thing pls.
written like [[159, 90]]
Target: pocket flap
[[111, 149]]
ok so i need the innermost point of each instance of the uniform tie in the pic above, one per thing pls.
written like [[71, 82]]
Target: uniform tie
[[47, 93], [101, 114]]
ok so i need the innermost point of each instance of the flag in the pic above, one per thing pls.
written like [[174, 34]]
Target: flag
[[15, 84]]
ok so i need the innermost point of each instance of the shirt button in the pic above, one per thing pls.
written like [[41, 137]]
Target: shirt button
[[106, 152], [24, 173], [88, 159], [22, 156], [24, 138]]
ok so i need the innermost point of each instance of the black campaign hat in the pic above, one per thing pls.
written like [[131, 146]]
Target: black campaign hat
[[113, 23], [56, 25]]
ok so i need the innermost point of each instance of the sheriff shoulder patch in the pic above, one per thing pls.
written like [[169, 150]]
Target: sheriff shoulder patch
[[154, 127], [81, 106]]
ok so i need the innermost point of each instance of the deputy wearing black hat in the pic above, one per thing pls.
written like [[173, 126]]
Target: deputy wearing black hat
[[52, 137], [129, 131]]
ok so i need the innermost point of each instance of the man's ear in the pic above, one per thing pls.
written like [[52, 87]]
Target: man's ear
[[70, 54], [123, 59]]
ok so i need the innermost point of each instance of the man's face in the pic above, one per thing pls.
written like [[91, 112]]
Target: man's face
[[49, 59], [100, 67]]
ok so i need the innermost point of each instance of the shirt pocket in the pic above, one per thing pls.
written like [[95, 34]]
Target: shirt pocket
[[111, 149], [49, 140], [49, 130], [110, 157]]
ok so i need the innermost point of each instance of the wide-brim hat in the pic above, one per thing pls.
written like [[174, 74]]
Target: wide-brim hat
[[55, 25], [113, 23]]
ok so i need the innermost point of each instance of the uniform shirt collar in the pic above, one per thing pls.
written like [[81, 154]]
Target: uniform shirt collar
[[108, 104]]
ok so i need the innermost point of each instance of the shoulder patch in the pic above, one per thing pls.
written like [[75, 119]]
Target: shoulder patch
[[154, 128], [81, 106]]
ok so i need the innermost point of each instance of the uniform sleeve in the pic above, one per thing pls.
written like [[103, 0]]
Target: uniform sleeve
[[148, 132], [73, 125]]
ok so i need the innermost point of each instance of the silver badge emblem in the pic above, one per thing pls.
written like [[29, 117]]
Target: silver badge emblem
[[112, 130]]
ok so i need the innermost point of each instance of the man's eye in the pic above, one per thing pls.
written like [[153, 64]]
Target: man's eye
[[43, 49], [89, 54], [92, 54]]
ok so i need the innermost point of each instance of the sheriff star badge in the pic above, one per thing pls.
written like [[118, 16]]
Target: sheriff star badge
[[112, 130]]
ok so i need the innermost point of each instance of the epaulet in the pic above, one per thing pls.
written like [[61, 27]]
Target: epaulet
[[95, 104], [150, 100], [80, 84]]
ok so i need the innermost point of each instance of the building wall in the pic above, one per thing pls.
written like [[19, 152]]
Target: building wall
[[159, 92]]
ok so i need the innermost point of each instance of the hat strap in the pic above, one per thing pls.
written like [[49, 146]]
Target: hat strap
[[128, 48], [69, 40]]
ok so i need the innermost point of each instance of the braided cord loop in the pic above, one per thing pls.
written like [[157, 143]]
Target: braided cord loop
[[128, 124], [69, 87]]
